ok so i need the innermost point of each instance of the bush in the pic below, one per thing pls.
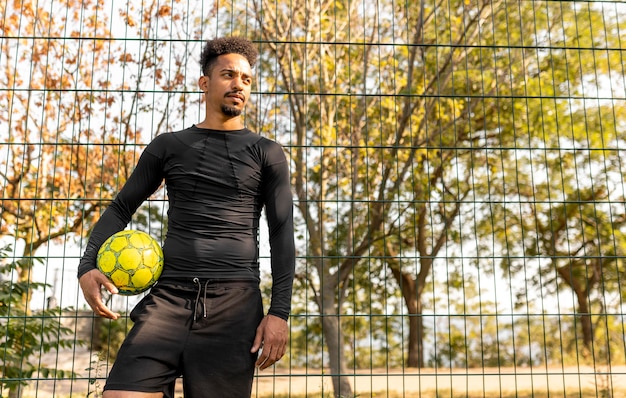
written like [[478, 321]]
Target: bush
[[26, 335]]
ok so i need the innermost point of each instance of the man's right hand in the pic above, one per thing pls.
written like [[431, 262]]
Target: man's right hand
[[91, 283]]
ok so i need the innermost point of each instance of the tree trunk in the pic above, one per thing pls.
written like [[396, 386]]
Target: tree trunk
[[16, 392], [415, 344], [416, 338], [336, 358], [333, 334], [582, 296], [585, 320], [25, 274], [415, 355]]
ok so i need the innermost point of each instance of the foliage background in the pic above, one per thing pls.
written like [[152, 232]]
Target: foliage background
[[457, 168]]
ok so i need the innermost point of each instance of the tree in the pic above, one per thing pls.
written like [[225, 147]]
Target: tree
[[71, 111], [396, 135], [375, 140], [557, 197]]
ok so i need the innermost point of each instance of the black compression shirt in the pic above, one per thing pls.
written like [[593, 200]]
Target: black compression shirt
[[217, 184]]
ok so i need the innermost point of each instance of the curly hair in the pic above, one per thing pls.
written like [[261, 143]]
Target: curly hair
[[226, 45]]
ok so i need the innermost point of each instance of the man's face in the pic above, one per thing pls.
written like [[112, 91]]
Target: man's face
[[229, 84]]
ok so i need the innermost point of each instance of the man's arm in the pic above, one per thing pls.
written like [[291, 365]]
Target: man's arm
[[278, 200], [273, 332], [145, 179]]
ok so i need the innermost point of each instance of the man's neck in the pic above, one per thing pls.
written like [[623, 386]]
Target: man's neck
[[221, 123]]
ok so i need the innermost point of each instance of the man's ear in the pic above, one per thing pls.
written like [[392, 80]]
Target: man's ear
[[203, 83]]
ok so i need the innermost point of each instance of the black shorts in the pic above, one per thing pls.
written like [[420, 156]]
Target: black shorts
[[202, 330]]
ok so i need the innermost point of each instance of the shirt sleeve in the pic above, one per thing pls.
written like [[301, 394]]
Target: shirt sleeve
[[143, 182], [278, 201]]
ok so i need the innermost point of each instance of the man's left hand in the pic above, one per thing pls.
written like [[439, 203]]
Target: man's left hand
[[271, 335]]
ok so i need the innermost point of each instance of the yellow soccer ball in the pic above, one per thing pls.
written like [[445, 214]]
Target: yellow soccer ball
[[132, 260]]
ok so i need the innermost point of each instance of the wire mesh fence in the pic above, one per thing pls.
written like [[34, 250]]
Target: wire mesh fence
[[457, 169]]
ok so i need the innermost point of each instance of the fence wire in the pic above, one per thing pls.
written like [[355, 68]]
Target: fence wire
[[457, 169]]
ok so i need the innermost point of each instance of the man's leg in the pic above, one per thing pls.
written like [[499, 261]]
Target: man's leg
[[148, 361], [217, 362]]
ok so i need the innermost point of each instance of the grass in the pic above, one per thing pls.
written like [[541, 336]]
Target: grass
[[586, 392], [445, 393]]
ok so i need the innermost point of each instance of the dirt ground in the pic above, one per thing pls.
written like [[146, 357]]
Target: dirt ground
[[408, 382]]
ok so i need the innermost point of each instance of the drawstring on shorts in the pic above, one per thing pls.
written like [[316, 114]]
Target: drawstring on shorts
[[200, 290]]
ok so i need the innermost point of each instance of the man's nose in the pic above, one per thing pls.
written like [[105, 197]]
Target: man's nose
[[237, 83]]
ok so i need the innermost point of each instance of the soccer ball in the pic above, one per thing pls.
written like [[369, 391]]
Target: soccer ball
[[132, 260]]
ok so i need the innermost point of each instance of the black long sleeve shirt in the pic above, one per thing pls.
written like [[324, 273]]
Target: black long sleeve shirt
[[217, 185]]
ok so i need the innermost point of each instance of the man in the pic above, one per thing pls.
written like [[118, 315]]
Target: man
[[204, 318]]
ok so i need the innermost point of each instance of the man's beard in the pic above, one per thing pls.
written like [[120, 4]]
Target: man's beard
[[230, 111]]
